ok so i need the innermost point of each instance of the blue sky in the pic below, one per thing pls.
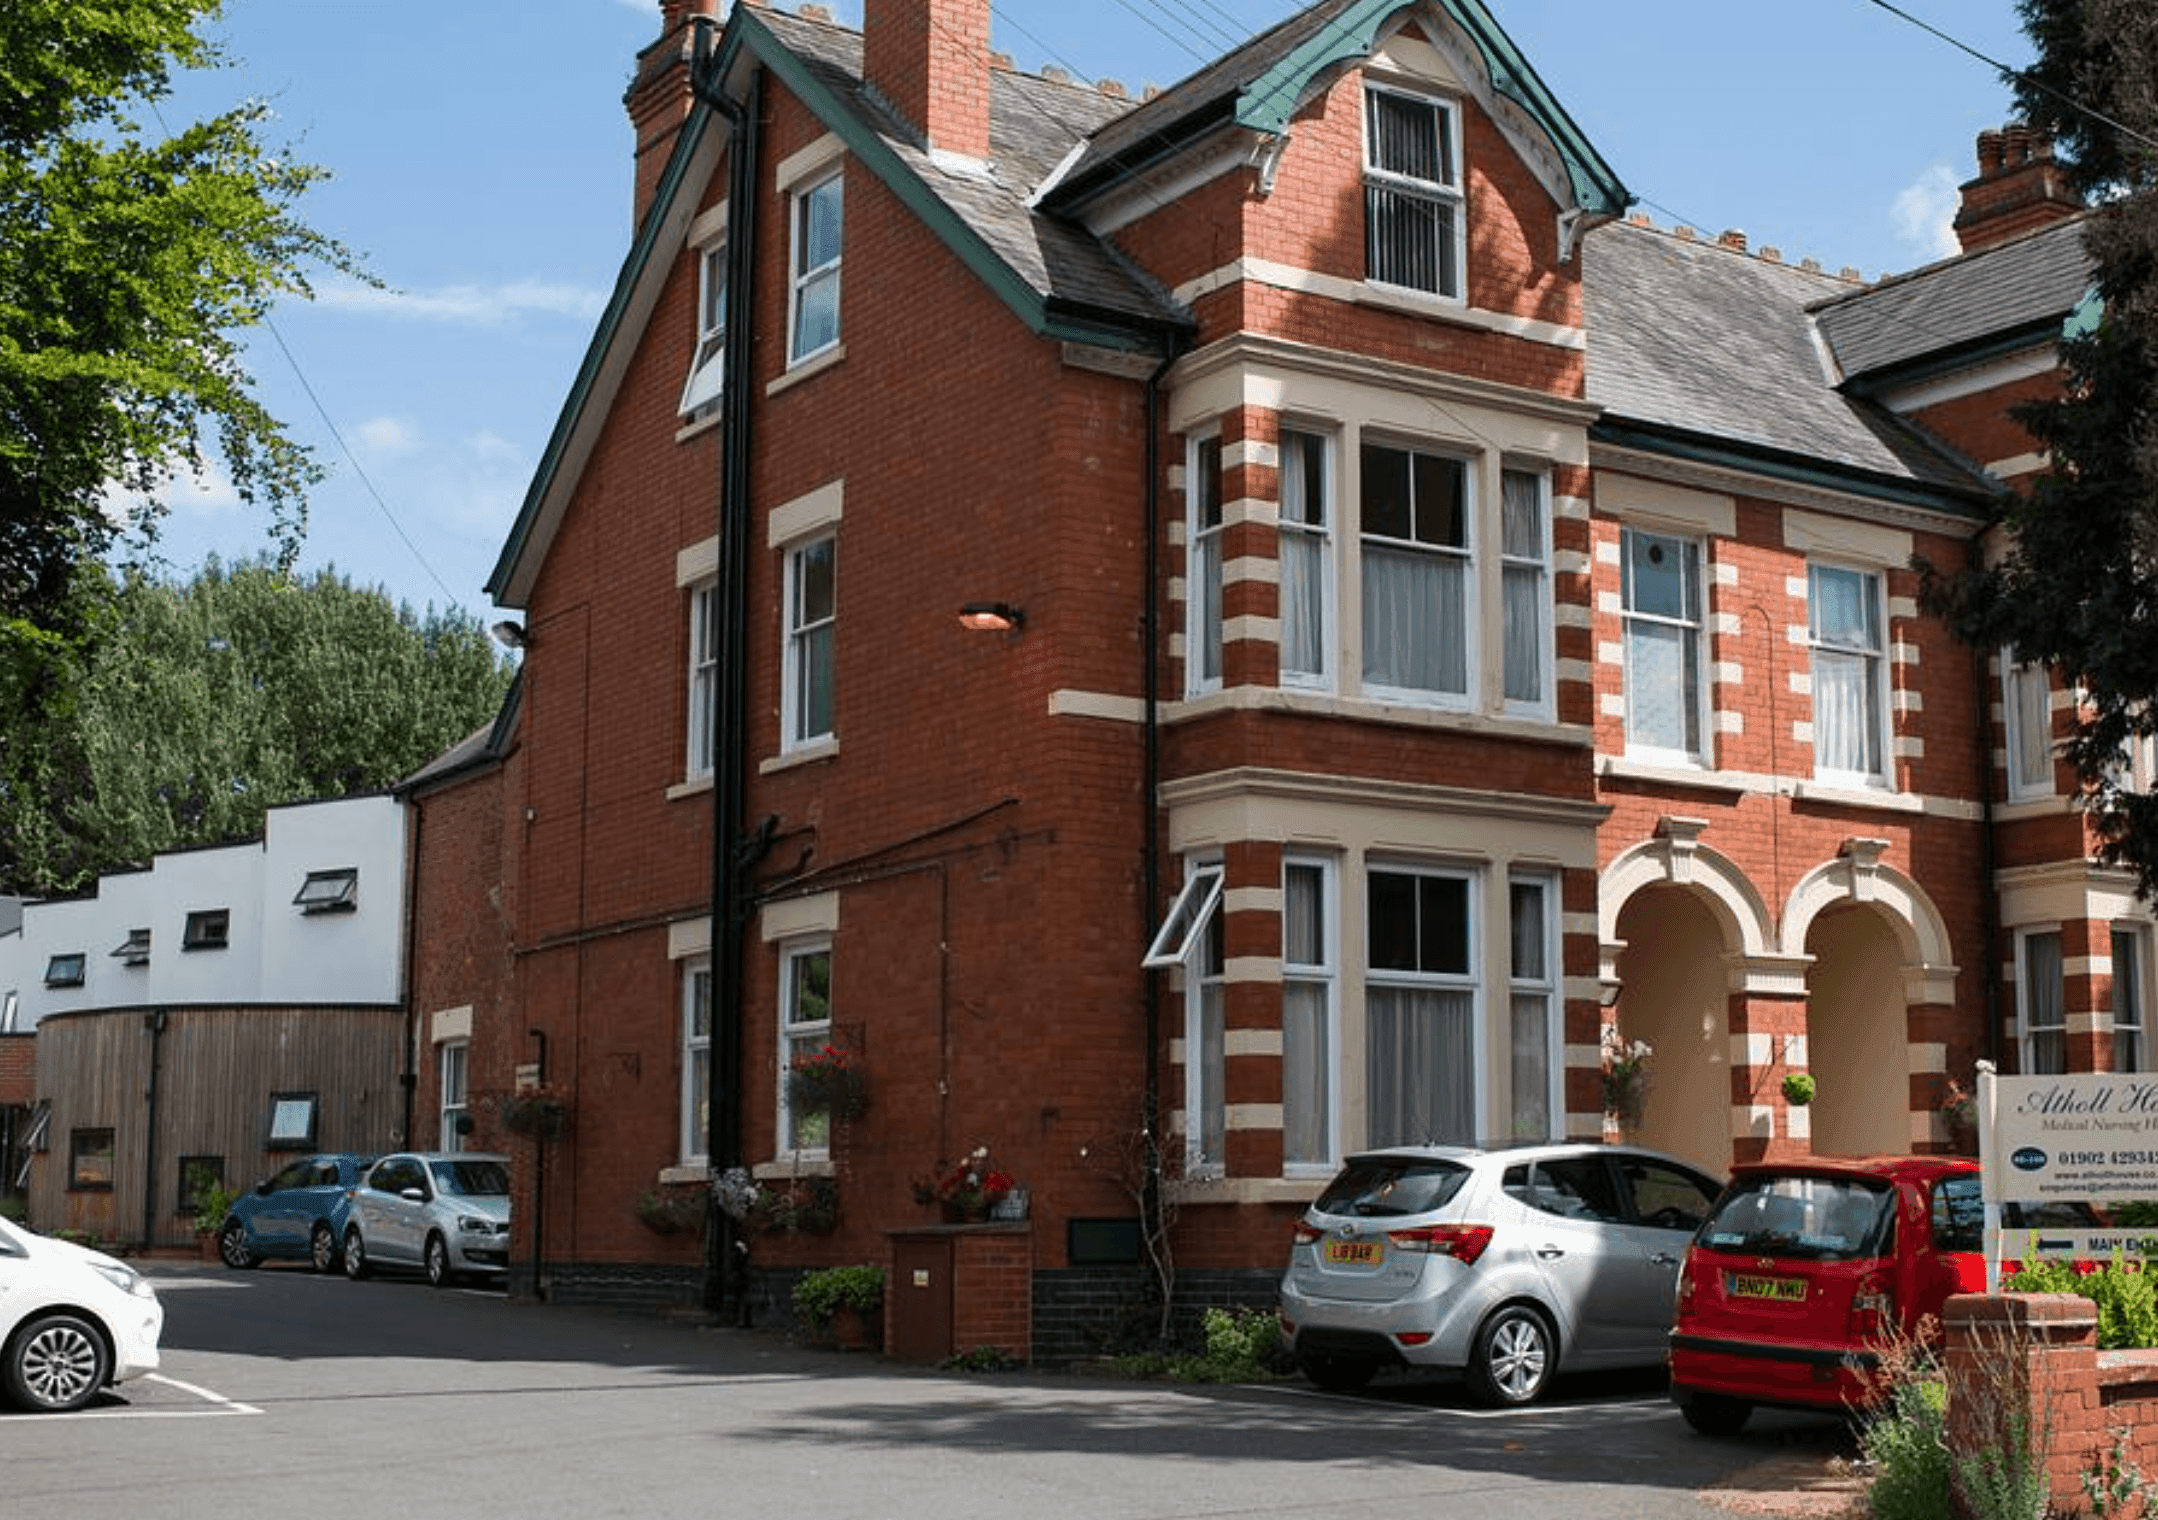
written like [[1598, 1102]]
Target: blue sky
[[481, 165]]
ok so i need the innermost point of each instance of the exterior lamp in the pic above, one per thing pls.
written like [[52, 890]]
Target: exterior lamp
[[991, 617]]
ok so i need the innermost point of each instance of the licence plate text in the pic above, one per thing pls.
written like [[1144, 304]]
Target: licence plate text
[[1355, 1253], [1784, 1290]]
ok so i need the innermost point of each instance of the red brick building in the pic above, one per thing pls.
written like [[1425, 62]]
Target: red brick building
[[1263, 620]]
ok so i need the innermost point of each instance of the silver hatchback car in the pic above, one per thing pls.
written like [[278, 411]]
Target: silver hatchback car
[[446, 1213], [1510, 1265]]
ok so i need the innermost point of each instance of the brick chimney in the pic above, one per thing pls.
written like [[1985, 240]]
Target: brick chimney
[[658, 99], [929, 60], [2020, 186]]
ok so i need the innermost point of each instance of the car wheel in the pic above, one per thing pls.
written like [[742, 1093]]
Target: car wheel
[[1512, 1358], [56, 1364], [1714, 1414], [232, 1247], [322, 1250], [1337, 1374], [355, 1254], [439, 1274]]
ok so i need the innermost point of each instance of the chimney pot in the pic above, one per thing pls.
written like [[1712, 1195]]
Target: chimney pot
[[1733, 239], [2020, 186]]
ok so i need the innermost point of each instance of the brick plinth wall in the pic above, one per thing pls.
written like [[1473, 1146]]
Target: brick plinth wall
[[2036, 1355]]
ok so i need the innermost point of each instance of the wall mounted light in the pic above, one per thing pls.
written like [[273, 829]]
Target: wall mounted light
[[991, 617], [511, 635]]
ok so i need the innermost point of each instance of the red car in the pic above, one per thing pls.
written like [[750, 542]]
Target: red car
[[1805, 1268]]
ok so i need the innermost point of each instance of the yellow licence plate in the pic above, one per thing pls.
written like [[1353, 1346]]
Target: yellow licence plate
[[1784, 1290], [1355, 1253]]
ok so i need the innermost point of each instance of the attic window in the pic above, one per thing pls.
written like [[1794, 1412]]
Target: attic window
[[1184, 927], [135, 949], [207, 929], [329, 891], [65, 970], [708, 366], [1413, 221]]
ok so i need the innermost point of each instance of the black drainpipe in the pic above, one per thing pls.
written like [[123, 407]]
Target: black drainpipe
[[724, 1246], [1150, 822], [154, 1025], [1988, 897]]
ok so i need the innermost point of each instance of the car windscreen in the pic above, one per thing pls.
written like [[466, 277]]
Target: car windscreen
[[1803, 1218], [1388, 1186], [472, 1179]]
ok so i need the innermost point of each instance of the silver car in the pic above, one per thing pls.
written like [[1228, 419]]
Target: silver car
[[1510, 1265], [446, 1214]]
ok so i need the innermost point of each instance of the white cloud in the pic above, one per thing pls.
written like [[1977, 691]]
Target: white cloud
[[1925, 213], [182, 489], [386, 437], [473, 305]]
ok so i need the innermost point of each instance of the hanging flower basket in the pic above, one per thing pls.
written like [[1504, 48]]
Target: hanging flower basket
[[674, 1212], [538, 1112], [826, 1081], [807, 1206]]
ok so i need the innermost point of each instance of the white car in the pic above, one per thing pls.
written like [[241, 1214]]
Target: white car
[[72, 1322], [444, 1213]]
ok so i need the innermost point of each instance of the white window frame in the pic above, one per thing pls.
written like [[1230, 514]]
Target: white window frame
[[1320, 977], [1879, 734], [2027, 728], [1538, 995], [1462, 558], [1691, 628], [708, 361], [1205, 532], [805, 670], [2131, 996], [1397, 189], [797, 1134], [2030, 1028], [453, 1091], [696, 1056], [809, 281], [1468, 981], [1310, 534], [1196, 903], [703, 693], [1531, 662]]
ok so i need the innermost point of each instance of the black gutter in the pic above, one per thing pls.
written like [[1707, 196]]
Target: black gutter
[[723, 1247], [154, 1025], [1976, 500], [1988, 847]]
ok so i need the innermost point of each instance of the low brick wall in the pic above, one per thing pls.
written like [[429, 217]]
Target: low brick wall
[[2033, 1358]]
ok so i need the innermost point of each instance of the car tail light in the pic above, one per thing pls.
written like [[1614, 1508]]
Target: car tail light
[[1685, 1282], [1873, 1311], [1463, 1242], [1306, 1233]]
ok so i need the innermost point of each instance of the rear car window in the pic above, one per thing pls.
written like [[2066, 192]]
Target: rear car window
[[1959, 1215], [1382, 1186], [1803, 1218]]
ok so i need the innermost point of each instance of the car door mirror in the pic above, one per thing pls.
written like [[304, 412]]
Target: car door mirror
[[413, 1195]]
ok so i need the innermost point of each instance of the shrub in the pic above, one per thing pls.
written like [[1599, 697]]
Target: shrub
[[820, 1294], [2126, 1298], [1903, 1441]]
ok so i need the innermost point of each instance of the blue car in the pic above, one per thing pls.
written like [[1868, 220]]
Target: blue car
[[297, 1215]]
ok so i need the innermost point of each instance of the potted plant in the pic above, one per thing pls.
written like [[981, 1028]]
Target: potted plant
[[210, 1200], [1798, 1087], [968, 1189], [803, 1206], [541, 1112], [1625, 1077], [848, 1300], [674, 1211], [826, 1080]]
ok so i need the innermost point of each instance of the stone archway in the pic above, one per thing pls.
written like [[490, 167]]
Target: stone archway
[[1675, 994]]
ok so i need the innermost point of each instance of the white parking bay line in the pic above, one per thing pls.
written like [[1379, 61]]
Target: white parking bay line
[[224, 1405]]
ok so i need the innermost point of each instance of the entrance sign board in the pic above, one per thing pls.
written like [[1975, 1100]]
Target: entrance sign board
[[2078, 1137]]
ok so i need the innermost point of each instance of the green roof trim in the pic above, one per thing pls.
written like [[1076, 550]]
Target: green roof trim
[[2085, 319], [1268, 102], [1974, 505]]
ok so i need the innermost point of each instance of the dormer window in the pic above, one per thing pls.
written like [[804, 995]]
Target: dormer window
[[1414, 227], [65, 970], [207, 930], [135, 949], [329, 891]]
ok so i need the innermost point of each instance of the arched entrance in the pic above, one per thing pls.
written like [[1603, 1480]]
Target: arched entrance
[[1675, 993], [1857, 1034]]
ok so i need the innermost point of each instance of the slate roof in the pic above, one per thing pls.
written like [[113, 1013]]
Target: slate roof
[[1694, 338], [1034, 123], [2019, 287]]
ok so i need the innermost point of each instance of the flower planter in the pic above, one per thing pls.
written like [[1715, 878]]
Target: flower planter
[[858, 1329]]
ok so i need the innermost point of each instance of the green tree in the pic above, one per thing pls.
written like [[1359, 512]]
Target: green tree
[[2077, 589], [131, 260], [201, 706]]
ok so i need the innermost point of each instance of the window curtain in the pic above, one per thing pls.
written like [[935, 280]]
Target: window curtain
[[1415, 620], [1660, 682], [1306, 1062], [1529, 933], [2044, 1018], [1420, 1065], [1211, 1072], [2034, 739], [1303, 555], [1843, 713], [1523, 589], [1206, 607], [2127, 1001]]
